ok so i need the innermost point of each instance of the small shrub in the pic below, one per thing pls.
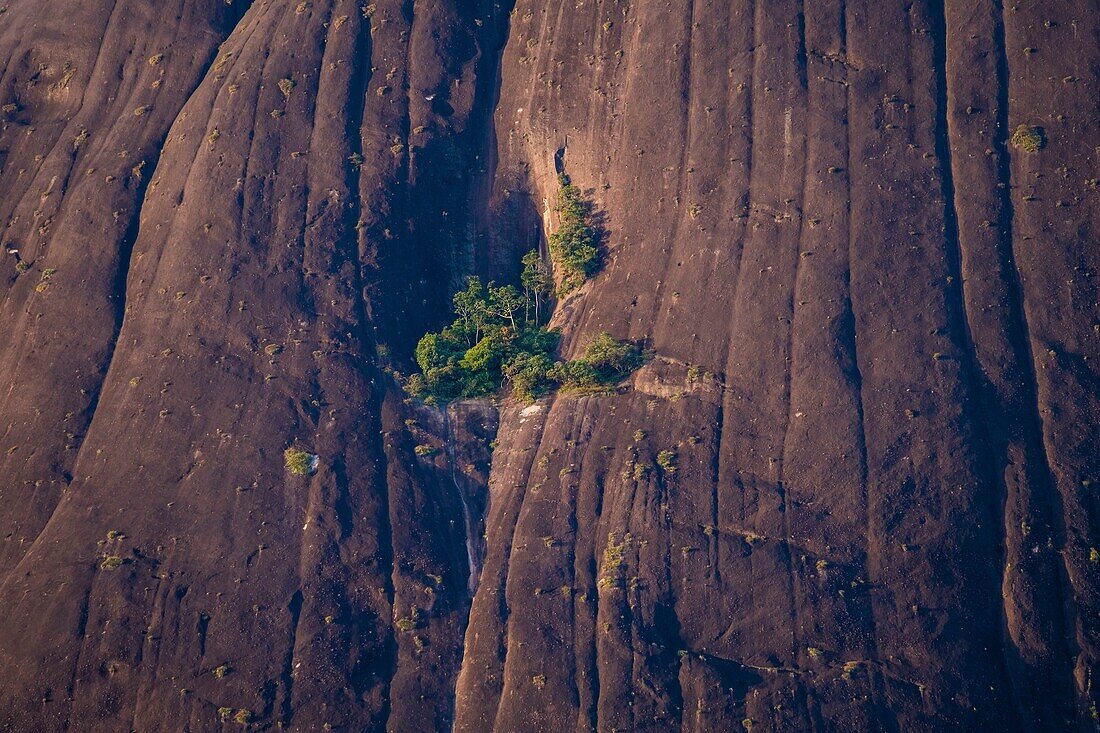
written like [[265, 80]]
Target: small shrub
[[285, 87], [1029, 139], [222, 670], [299, 462], [224, 713], [425, 450], [243, 716], [666, 459]]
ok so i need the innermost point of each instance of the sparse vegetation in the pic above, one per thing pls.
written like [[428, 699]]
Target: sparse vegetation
[[666, 459], [1029, 139], [413, 621], [44, 282], [222, 670], [573, 247], [613, 560]]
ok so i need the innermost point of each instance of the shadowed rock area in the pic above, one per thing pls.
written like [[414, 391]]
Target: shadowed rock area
[[854, 487]]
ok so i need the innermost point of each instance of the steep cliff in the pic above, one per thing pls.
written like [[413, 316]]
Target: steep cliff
[[854, 488]]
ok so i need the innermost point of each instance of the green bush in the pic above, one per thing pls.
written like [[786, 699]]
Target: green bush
[[529, 375], [573, 247], [1029, 139], [298, 462], [112, 562], [604, 363]]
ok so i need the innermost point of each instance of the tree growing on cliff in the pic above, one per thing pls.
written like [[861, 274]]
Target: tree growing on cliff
[[573, 247], [538, 283], [488, 346]]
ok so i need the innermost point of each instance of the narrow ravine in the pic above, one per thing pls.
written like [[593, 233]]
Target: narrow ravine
[[467, 517]]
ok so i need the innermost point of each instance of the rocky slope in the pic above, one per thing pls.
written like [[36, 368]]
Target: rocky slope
[[874, 328]]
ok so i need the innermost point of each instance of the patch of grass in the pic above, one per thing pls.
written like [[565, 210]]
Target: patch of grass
[[299, 462]]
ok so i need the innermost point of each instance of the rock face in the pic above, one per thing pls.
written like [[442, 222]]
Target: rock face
[[855, 488]]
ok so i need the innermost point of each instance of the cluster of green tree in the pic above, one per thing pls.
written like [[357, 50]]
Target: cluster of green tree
[[574, 246], [497, 339]]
